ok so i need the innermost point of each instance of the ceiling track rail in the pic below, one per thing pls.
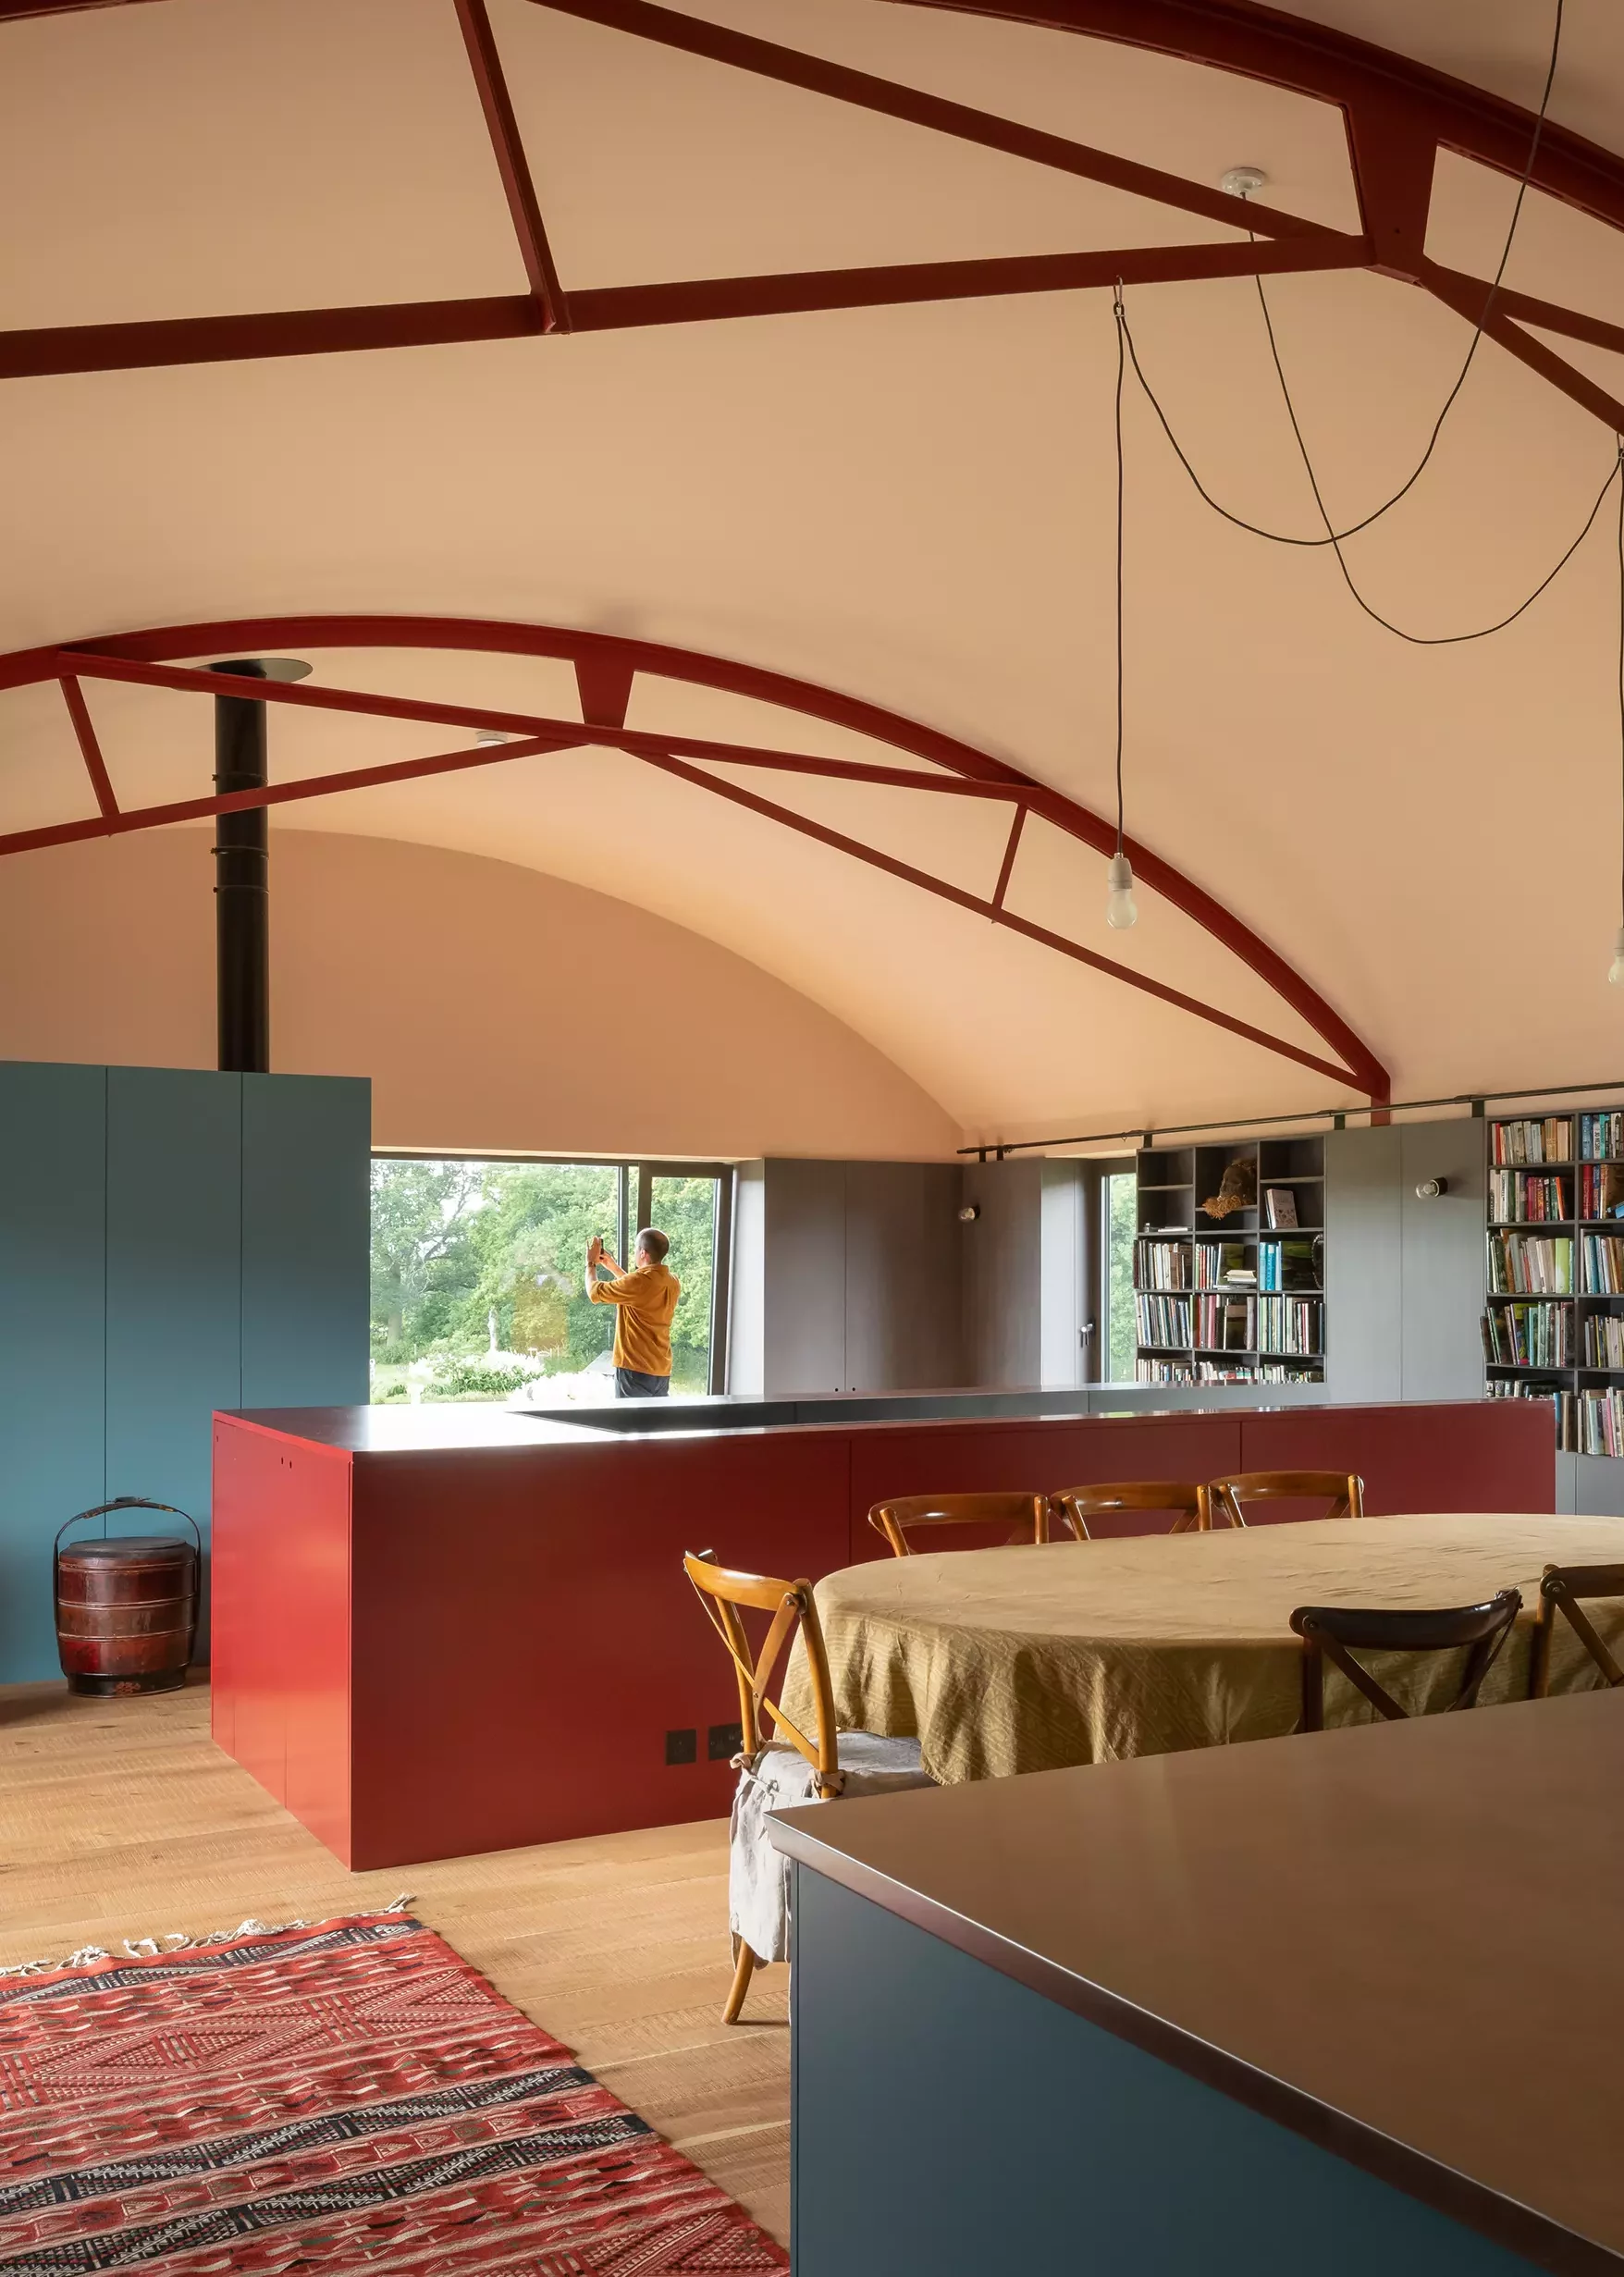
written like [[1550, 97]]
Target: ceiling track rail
[[1146, 1135]]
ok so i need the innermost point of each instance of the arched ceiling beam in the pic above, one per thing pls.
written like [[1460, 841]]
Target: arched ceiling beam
[[791, 67], [606, 665], [1399, 115], [512, 165]]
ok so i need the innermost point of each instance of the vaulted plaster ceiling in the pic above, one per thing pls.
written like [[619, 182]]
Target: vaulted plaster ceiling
[[912, 505]]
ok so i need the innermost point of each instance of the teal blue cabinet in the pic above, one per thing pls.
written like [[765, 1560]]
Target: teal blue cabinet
[[174, 1277], [947, 2121], [53, 1349], [171, 1241], [306, 1242]]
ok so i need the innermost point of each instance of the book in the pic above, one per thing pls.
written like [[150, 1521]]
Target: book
[[1518, 1198], [1533, 1138], [1541, 1264], [1601, 1138], [1284, 1266], [1289, 1324], [1280, 1206]]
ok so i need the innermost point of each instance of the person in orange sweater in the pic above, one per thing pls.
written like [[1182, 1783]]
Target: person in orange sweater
[[645, 1301]]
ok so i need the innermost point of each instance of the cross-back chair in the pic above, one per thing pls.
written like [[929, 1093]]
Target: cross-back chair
[[1074, 1506], [1335, 1632], [1342, 1491], [1561, 1590], [778, 1763], [1027, 1516]]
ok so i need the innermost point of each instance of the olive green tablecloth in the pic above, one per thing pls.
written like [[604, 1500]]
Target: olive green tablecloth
[[1030, 1658]]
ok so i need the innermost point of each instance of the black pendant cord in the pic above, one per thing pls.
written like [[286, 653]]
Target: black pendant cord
[[1334, 536], [1121, 362]]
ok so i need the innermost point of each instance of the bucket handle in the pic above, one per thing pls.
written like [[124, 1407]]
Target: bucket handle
[[136, 1502]]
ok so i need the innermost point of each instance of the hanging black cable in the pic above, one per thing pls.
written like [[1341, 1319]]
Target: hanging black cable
[[1121, 909], [1120, 376], [1334, 537], [1621, 694]]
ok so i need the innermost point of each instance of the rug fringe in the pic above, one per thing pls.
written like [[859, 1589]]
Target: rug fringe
[[177, 1941]]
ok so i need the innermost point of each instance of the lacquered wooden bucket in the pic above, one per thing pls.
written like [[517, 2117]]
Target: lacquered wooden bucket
[[126, 1606]]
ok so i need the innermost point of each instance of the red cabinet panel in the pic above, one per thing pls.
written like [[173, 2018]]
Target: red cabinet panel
[[1491, 1455], [526, 1637], [1042, 1456], [491, 1646]]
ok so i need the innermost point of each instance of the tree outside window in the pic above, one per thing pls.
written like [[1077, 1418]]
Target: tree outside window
[[478, 1282]]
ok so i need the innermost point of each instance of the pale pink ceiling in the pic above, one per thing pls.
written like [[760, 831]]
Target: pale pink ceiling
[[909, 504]]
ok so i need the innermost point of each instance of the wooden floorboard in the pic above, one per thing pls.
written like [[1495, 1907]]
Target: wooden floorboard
[[120, 1818]]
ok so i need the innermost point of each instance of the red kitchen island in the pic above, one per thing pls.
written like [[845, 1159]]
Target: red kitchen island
[[445, 1630]]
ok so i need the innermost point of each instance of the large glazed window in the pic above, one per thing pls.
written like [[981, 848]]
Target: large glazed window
[[1118, 1210], [478, 1282], [687, 1211]]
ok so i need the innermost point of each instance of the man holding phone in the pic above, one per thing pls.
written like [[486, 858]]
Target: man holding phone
[[645, 1301]]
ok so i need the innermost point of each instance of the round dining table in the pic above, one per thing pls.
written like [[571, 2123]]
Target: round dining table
[[1042, 1656]]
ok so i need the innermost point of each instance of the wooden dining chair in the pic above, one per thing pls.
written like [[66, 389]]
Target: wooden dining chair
[[1342, 1491], [778, 1763], [1074, 1506], [1335, 1632], [1561, 1590], [1027, 1516]]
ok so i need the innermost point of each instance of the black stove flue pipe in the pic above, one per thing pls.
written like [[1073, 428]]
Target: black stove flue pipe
[[242, 901]]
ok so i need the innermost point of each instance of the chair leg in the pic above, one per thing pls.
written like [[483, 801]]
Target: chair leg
[[743, 1973]]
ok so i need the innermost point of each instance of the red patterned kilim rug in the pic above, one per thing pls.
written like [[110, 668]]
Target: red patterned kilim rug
[[349, 2096]]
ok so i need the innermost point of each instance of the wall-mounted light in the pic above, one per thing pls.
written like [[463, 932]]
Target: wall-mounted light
[[969, 1214], [1430, 1188]]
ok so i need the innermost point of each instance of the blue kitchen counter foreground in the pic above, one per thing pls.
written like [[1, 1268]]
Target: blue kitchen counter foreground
[[1350, 2000]]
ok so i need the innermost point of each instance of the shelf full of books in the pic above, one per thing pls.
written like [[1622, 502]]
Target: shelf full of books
[[1554, 1284], [1229, 1263]]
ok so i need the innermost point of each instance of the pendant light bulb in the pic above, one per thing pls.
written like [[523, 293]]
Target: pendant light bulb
[[1122, 910], [1616, 970]]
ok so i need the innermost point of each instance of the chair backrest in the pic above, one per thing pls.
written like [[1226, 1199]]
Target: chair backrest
[[725, 1595], [1027, 1516], [1074, 1506], [1341, 1489], [1335, 1631], [1561, 1587]]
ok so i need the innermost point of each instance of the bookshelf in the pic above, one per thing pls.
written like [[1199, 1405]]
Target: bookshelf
[[1553, 1289], [1238, 1298]]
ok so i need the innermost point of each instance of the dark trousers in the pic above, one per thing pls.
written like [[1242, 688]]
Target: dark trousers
[[631, 1383]]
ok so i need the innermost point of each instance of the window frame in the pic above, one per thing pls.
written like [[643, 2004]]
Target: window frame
[[1116, 1166], [635, 1179]]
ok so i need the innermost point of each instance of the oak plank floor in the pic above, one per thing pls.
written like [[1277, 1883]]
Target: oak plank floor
[[120, 1818]]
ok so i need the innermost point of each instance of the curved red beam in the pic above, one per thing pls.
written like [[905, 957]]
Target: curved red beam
[[1310, 58], [606, 663]]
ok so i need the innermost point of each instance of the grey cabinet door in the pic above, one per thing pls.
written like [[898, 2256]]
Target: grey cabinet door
[[804, 1326], [1443, 1260], [1363, 1268], [902, 1277]]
